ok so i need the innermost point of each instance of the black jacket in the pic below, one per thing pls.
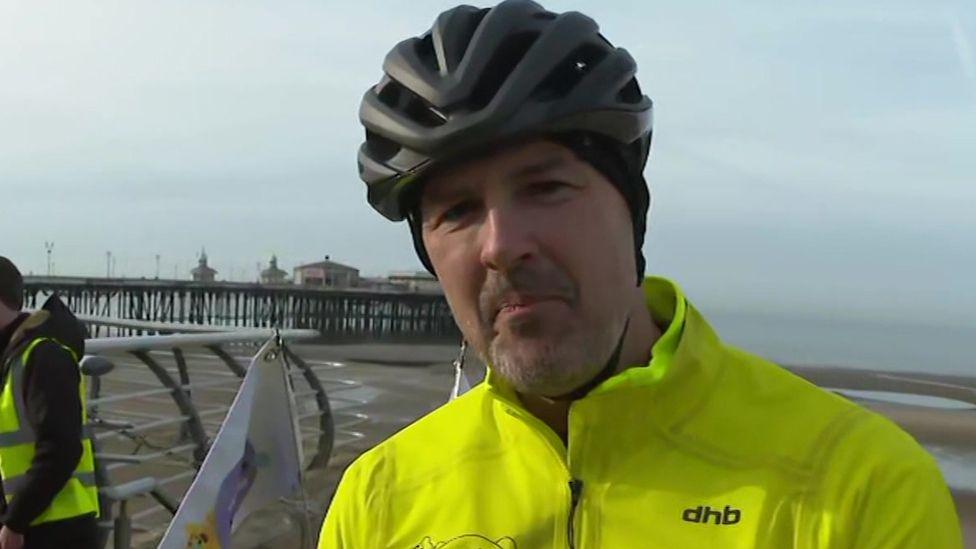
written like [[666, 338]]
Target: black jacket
[[53, 409]]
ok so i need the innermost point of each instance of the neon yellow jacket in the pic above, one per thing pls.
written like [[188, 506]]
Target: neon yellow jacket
[[705, 447]]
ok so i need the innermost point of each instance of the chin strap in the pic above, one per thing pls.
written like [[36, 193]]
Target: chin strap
[[608, 370]]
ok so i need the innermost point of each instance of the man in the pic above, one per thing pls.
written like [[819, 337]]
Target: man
[[513, 140], [46, 462]]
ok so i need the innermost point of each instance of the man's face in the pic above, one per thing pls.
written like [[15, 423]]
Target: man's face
[[534, 249]]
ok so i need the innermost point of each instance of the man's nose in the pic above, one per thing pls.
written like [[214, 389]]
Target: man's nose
[[506, 239]]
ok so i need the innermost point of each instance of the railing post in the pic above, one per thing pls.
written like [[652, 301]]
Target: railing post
[[123, 528], [326, 421], [185, 382], [183, 402], [238, 370]]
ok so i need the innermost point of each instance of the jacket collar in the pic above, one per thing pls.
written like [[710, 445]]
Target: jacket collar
[[684, 360]]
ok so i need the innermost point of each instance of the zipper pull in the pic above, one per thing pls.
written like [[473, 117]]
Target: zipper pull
[[576, 489], [575, 492]]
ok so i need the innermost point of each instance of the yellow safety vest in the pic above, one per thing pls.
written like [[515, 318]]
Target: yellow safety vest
[[79, 496], [704, 447]]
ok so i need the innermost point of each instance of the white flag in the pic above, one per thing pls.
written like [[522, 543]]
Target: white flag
[[461, 382], [254, 461]]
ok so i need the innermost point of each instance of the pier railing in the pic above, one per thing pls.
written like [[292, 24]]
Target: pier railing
[[337, 314]]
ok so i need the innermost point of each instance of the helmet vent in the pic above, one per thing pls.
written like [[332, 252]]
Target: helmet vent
[[389, 93], [422, 112], [425, 51], [465, 29], [500, 67], [397, 97], [569, 72], [630, 93], [381, 148]]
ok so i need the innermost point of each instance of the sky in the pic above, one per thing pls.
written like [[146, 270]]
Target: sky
[[816, 158]]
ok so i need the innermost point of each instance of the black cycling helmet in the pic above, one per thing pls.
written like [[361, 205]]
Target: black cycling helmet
[[483, 76]]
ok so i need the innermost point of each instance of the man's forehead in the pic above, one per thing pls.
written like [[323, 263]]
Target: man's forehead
[[511, 163]]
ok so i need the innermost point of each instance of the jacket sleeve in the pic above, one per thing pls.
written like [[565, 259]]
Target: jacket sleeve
[[895, 496], [54, 411], [346, 522]]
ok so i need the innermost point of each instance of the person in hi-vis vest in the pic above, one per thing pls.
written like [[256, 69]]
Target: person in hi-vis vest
[[49, 497]]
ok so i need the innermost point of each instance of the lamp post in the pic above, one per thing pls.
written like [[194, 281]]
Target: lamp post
[[49, 247]]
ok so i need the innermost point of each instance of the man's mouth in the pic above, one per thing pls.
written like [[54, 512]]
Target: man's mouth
[[514, 305], [523, 293]]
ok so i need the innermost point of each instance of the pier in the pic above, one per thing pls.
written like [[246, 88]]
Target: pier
[[337, 314]]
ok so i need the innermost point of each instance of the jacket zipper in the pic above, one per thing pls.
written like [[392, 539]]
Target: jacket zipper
[[575, 492], [575, 485]]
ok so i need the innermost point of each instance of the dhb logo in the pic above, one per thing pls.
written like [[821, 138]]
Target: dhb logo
[[704, 514]]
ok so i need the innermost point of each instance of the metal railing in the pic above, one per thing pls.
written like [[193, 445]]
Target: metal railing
[[155, 402]]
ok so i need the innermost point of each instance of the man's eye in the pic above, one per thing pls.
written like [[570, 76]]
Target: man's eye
[[458, 211], [545, 188]]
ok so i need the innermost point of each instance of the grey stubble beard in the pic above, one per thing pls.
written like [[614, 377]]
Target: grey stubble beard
[[550, 360], [558, 364]]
